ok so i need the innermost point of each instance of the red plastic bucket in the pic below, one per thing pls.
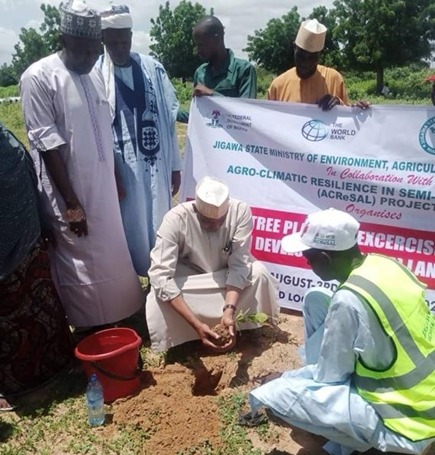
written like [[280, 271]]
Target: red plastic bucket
[[113, 355]]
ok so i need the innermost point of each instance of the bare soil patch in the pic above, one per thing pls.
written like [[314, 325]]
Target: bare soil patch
[[178, 404], [188, 405]]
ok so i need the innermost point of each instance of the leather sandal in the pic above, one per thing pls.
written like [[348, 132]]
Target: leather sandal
[[251, 420]]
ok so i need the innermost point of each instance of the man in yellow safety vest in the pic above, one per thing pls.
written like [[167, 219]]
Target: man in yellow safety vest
[[369, 379]]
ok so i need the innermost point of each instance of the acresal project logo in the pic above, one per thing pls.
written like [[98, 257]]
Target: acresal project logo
[[316, 130], [426, 136], [240, 122]]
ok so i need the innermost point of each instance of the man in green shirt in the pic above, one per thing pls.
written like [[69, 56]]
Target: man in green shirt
[[223, 74]]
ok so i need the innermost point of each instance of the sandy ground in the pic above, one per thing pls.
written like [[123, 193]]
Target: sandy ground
[[177, 408], [178, 402]]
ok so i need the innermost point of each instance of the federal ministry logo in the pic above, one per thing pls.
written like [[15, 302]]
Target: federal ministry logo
[[427, 136], [315, 130], [215, 116]]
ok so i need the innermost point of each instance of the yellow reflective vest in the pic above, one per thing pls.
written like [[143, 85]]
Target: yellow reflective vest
[[403, 394]]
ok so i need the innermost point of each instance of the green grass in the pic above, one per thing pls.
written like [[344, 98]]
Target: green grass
[[234, 436], [53, 420], [62, 429], [6, 92], [58, 413], [58, 425], [12, 117], [56, 422]]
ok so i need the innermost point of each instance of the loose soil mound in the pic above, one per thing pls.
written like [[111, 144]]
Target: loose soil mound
[[166, 409], [178, 406]]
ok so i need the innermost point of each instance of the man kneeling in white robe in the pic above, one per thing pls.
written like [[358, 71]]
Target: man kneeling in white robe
[[202, 272]]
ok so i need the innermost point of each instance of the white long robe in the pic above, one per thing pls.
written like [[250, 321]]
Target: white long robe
[[199, 264], [69, 112]]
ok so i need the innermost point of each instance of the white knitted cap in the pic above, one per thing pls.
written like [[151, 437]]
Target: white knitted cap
[[116, 16], [311, 36], [212, 197]]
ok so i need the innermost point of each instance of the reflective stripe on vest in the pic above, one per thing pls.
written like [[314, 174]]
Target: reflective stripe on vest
[[413, 377], [387, 411], [403, 393]]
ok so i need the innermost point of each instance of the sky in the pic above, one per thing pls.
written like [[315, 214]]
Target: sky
[[240, 18]]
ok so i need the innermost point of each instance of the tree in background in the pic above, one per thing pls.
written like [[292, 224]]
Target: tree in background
[[272, 47], [331, 55], [37, 44], [378, 34], [171, 32], [33, 46], [363, 35], [7, 76], [50, 27], [30, 49]]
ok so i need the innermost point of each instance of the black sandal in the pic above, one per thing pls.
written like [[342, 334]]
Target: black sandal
[[252, 420]]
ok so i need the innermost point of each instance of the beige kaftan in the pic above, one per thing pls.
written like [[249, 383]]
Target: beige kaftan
[[199, 264]]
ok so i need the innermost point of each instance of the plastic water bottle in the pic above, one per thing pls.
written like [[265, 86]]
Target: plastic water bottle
[[95, 401]]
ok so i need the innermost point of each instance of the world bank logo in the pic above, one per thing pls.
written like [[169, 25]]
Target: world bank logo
[[427, 136], [315, 131]]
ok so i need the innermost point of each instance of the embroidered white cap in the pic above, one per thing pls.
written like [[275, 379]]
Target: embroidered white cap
[[212, 197], [116, 16], [331, 230], [311, 36], [76, 19]]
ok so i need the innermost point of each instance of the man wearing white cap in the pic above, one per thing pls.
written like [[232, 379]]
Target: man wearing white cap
[[369, 379], [308, 82], [202, 272], [144, 109], [69, 128]]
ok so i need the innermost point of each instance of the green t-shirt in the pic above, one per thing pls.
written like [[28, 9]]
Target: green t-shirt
[[237, 79]]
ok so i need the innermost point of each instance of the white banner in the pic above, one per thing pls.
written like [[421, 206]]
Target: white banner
[[287, 160]]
